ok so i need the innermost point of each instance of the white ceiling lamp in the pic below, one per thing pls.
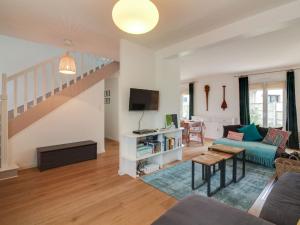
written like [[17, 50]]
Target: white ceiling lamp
[[135, 16], [67, 63]]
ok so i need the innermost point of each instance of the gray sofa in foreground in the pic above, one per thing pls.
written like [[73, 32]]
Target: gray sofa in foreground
[[198, 210], [282, 207], [283, 203]]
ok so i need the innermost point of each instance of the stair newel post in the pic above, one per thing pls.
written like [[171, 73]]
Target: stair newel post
[[4, 123]]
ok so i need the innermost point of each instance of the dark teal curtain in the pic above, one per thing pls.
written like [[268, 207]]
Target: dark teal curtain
[[244, 101], [291, 111], [191, 103]]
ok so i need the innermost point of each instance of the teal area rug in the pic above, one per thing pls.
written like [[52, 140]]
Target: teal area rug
[[176, 181]]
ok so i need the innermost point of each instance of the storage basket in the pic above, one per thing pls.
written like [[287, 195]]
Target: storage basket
[[284, 165]]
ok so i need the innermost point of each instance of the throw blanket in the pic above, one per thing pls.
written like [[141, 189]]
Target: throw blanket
[[257, 152]]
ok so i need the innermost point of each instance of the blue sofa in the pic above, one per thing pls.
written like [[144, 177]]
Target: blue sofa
[[256, 152]]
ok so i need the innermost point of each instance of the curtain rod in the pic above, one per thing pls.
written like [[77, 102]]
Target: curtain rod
[[273, 71]]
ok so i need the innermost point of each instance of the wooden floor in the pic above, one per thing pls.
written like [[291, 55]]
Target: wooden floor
[[85, 193]]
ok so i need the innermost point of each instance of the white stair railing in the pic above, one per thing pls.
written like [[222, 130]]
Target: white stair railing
[[34, 84]]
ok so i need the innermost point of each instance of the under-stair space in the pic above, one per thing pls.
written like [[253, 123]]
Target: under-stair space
[[111, 105], [36, 91]]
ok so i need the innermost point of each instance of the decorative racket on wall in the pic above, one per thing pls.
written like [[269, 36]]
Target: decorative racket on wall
[[206, 89], [224, 103]]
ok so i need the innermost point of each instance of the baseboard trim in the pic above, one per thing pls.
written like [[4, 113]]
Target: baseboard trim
[[9, 172]]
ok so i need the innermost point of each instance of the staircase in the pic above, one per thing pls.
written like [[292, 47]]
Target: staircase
[[36, 91]]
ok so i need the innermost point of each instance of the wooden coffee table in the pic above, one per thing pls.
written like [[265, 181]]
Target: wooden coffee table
[[208, 160], [229, 152]]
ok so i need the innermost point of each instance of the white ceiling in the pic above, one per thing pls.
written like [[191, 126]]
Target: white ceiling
[[88, 22], [275, 49]]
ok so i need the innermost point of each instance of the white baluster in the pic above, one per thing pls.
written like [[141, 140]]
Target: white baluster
[[77, 69], [68, 80], [4, 123], [82, 65], [35, 80], [53, 78], [25, 92], [61, 77], [15, 96], [44, 81]]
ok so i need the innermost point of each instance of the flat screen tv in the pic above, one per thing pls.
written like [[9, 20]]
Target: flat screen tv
[[141, 99]]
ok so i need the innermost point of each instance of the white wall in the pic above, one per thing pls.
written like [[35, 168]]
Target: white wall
[[137, 70], [112, 109], [168, 84], [17, 54], [81, 118], [216, 96], [140, 67], [215, 118]]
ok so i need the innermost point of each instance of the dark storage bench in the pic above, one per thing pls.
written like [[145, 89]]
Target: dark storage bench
[[61, 155]]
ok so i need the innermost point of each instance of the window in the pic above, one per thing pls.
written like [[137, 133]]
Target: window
[[185, 101], [267, 104]]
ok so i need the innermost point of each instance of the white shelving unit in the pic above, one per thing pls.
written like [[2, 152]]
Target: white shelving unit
[[128, 151]]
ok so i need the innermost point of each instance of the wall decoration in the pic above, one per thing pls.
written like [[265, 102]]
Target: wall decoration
[[206, 89], [224, 103]]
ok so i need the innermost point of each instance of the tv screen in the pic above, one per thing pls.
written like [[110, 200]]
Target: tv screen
[[141, 99]]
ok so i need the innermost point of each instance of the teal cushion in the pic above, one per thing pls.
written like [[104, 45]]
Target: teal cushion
[[250, 133]]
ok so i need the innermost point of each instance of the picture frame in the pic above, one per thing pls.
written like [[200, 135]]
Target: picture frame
[[106, 101], [107, 93]]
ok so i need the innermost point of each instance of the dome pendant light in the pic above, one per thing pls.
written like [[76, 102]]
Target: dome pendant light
[[67, 63], [135, 16]]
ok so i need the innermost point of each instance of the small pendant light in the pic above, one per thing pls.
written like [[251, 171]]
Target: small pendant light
[[67, 63]]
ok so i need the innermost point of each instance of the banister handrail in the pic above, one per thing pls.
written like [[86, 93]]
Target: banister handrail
[[40, 64]]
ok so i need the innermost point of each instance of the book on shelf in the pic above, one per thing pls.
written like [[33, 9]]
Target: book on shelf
[[148, 148], [171, 143]]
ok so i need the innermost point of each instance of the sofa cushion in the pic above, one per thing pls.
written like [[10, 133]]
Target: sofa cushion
[[235, 136], [228, 128], [250, 133], [264, 130], [283, 203], [197, 210], [277, 138]]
